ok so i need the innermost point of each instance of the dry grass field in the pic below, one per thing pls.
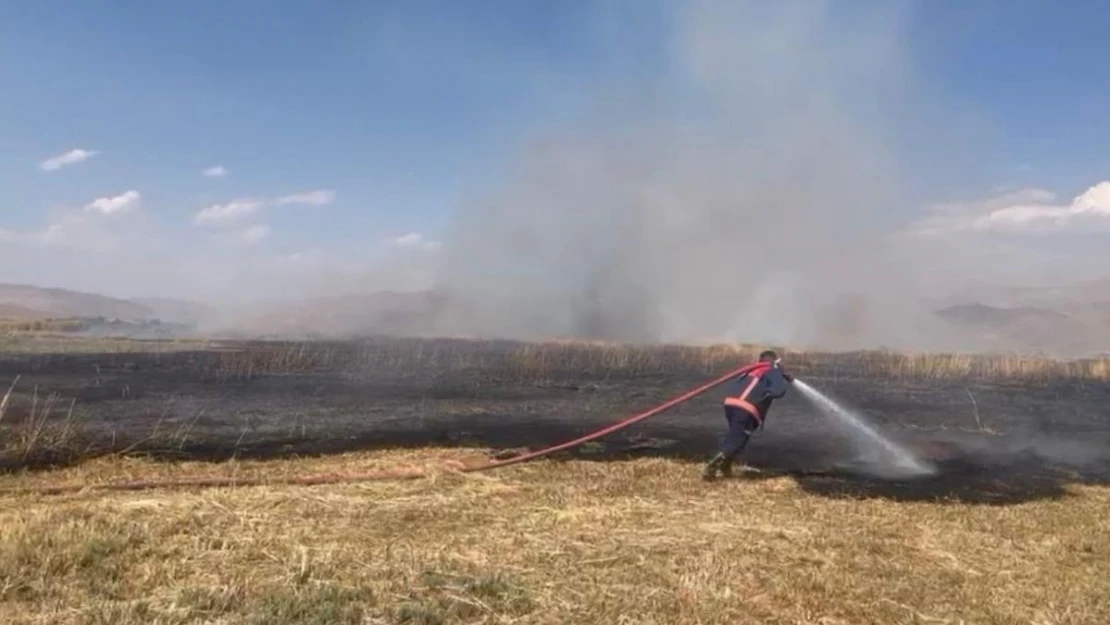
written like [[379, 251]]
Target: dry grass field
[[551, 542], [1013, 530]]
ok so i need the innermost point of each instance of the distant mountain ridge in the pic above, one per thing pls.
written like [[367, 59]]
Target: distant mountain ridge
[[1061, 321], [31, 302], [1070, 332]]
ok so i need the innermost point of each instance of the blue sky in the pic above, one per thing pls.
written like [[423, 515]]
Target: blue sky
[[378, 120], [1037, 70], [397, 111]]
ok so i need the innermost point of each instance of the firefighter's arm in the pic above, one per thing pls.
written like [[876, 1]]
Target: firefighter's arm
[[778, 367], [778, 383]]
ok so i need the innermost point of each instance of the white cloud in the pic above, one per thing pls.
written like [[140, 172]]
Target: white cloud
[[1095, 200], [70, 231], [216, 171], [256, 234], [313, 198], [241, 208], [1026, 211], [83, 230], [125, 202], [66, 230], [300, 258], [71, 157], [231, 212], [415, 240]]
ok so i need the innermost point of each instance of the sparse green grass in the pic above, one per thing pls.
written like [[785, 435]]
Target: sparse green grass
[[573, 542]]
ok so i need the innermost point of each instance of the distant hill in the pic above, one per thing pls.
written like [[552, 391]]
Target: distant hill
[[16, 312], [984, 316], [1060, 297], [1072, 320], [1074, 331], [974, 326], [383, 312], [175, 310], [30, 302]]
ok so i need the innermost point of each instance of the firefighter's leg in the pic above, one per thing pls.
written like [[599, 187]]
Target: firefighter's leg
[[733, 442], [743, 424], [717, 460], [726, 466]]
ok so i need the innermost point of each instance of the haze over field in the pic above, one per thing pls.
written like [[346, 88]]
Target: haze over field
[[797, 173]]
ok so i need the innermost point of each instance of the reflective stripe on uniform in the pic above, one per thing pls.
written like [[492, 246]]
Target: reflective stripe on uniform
[[742, 400], [744, 404]]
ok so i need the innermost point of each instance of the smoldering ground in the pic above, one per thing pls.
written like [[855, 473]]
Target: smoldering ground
[[1008, 446]]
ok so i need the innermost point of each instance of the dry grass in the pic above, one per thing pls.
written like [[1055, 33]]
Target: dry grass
[[40, 325], [989, 367], [48, 344], [45, 429], [576, 542], [537, 361]]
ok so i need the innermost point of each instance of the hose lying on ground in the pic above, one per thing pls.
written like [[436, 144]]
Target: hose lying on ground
[[395, 474]]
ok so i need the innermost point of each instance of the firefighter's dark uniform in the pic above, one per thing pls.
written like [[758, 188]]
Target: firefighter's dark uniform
[[745, 409]]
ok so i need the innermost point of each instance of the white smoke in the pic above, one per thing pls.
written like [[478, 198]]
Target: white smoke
[[746, 196]]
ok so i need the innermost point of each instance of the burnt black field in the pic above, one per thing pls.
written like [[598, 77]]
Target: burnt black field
[[996, 439]]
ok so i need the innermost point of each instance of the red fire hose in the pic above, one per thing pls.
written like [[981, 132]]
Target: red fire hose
[[311, 480], [620, 425]]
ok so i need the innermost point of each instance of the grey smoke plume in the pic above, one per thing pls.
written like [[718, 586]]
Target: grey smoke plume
[[746, 196]]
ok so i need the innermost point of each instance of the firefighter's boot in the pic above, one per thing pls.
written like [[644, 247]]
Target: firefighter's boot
[[711, 468], [726, 468]]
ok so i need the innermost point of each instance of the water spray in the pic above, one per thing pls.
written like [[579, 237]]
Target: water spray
[[894, 462]]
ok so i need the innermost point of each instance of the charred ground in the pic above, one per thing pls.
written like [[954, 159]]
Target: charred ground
[[1000, 430]]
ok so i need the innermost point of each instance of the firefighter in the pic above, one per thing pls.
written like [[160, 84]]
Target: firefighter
[[746, 409]]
